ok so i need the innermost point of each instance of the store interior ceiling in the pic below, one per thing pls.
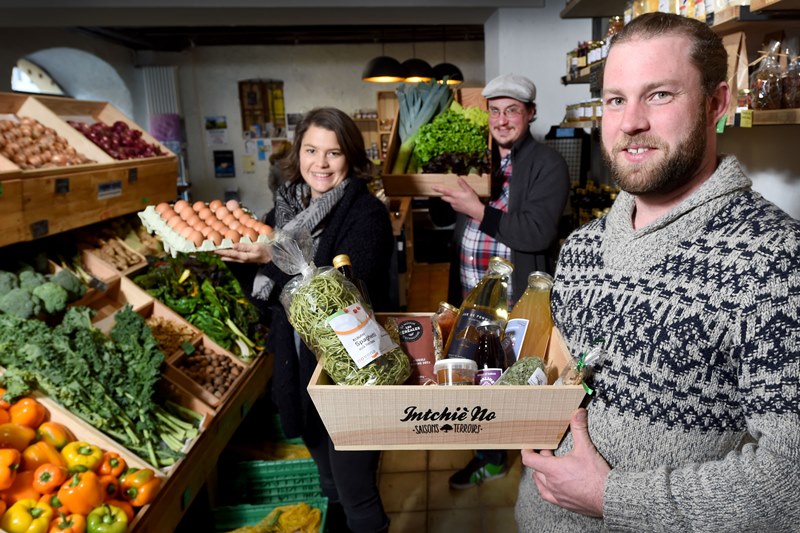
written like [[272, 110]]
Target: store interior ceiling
[[175, 25]]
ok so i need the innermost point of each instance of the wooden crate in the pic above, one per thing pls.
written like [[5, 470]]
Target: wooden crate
[[409, 417], [422, 184], [115, 298], [11, 219]]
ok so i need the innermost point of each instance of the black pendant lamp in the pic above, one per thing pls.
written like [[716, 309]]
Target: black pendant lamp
[[449, 72], [384, 69], [417, 70]]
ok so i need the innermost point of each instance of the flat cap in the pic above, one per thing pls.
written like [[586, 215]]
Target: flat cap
[[510, 86]]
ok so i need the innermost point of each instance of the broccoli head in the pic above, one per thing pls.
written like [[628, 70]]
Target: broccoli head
[[53, 297], [20, 302], [8, 281], [30, 279], [70, 283]]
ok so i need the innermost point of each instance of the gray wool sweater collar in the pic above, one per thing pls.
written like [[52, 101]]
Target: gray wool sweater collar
[[659, 237]]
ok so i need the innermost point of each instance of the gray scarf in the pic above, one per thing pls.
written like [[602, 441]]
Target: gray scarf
[[295, 209]]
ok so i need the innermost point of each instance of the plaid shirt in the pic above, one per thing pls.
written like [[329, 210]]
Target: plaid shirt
[[477, 247]]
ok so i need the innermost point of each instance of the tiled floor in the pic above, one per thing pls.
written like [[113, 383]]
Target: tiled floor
[[414, 484]]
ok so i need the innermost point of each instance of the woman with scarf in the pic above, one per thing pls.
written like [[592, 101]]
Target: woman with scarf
[[325, 193]]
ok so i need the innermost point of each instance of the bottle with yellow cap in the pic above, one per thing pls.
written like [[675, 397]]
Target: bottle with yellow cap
[[342, 263]]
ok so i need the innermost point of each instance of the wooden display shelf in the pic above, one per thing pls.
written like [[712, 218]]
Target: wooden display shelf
[[11, 219], [743, 18], [774, 5], [187, 478], [576, 9]]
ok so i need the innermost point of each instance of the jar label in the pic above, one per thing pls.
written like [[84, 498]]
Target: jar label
[[488, 376]]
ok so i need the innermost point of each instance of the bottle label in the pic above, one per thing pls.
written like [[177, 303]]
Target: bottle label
[[361, 336], [488, 376], [515, 330], [465, 343], [537, 378]]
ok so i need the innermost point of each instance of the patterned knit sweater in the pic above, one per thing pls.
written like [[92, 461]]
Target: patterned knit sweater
[[697, 401]]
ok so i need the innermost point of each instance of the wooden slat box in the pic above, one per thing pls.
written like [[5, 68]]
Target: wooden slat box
[[421, 184], [409, 417]]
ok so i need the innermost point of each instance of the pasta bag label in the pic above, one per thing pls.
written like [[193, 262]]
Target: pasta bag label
[[363, 338]]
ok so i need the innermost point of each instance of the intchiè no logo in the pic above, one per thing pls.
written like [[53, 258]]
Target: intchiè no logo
[[461, 420]]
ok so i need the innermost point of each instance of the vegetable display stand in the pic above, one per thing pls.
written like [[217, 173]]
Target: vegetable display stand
[[10, 210], [435, 417], [421, 184]]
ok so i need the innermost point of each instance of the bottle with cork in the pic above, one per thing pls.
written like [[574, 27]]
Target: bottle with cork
[[342, 263]]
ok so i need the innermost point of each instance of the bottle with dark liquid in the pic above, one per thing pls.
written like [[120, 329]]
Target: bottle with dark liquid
[[491, 357], [342, 263]]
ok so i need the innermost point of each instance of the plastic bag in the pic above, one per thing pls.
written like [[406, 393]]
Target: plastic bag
[[326, 311], [579, 370], [765, 83], [790, 81]]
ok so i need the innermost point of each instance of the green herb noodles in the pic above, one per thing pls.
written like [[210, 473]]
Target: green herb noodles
[[311, 305]]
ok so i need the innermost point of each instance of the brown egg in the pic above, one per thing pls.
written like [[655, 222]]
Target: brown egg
[[238, 212], [186, 213], [247, 221], [228, 220], [250, 233], [233, 235], [167, 214], [215, 237], [214, 205], [235, 224], [221, 212], [173, 220], [196, 237], [198, 205], [180, 226], [163, 206], [218, 225], [185, 232], [205, 230], [232, 205], [205, 213], [193, 219], [265, 229], [180, 205]]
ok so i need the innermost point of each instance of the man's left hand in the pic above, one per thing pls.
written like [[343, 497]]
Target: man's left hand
[[464, 199], [575, 481]]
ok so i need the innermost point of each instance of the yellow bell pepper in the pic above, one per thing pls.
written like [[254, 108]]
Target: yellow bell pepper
[[82, 454], [27, 516]]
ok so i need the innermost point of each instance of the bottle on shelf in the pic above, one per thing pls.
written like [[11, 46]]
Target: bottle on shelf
[[488, 301], [530, 321], [342, 263], [490, 356]]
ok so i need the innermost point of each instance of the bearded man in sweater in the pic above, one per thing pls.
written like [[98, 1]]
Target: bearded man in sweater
[[691, 286]]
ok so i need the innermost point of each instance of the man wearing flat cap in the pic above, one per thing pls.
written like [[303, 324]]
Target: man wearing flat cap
[[530, 186]]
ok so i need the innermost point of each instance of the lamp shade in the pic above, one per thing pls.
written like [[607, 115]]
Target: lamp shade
[[384, 69], [449, 71], [417, 70]]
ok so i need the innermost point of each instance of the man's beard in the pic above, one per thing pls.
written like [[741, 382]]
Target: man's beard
[[678, 167]]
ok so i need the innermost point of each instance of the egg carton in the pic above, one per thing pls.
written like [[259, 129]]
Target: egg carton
[[174, 243]]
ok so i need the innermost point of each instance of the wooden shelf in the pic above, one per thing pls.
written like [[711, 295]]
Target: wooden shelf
[[586, 124], [592, 8], [584, 74], [742, 18], [776, 117], [774, 5]]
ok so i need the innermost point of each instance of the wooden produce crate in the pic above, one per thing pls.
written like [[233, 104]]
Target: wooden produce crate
[[11, 219], [117, 296], [132, 268], [176, 372], [160, 310], [421, 184], [436, 417]]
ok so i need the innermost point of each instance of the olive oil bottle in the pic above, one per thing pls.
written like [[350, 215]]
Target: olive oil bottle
[[488, 301]]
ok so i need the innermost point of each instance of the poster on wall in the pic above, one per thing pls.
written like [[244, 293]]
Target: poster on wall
[[249, 164], [223, 164], [216, 130]]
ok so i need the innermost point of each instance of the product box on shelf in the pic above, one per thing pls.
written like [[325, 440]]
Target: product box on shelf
[[209, 372], [431, 417], [421, 184]]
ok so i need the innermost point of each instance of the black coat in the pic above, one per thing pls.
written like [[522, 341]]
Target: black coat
[[358, 226]]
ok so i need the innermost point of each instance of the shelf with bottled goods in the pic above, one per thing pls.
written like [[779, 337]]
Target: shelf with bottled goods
[[744, 18]]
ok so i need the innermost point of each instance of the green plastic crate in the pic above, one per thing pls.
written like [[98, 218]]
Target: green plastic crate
[[259, 482], [230, 517]]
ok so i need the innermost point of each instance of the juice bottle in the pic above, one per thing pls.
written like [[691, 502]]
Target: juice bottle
[[488, 301], [530, 323], [490, 356]]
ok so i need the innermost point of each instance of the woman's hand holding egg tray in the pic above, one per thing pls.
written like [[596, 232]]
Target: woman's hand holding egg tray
[[201, 227]]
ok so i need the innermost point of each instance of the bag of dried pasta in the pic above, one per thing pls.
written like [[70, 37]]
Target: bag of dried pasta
[[326, 311]]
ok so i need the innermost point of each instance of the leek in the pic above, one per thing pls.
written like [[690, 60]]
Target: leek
[[418, 105]]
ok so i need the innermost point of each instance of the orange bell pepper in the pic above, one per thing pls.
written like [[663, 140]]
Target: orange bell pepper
[[4, 416], [139, 486], [49, 478], [58, 435], [64, 523], [40, 453], [15, 436], [81, 493], [125, 506], [3, 403], [52, 500], [112, 465], [9, 464], [111, 487], [27, 412], [21, 489], [3, 507]]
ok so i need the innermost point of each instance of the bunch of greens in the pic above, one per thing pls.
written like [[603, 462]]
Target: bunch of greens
[[454, 140], [108, 381], [418, 104], [202, 289]]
